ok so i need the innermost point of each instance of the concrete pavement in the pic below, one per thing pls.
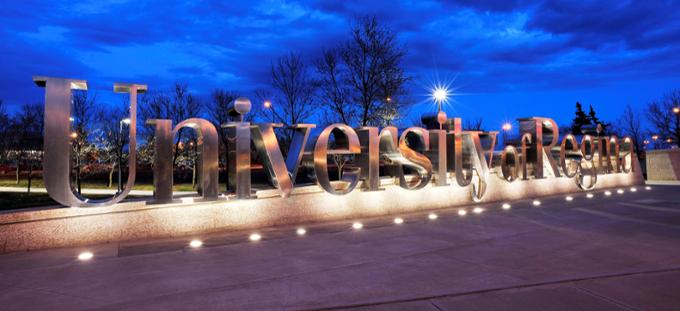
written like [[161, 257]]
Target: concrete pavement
[[618, 252]]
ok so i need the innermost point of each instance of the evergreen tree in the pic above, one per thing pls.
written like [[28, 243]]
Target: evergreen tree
[[580, 120], [594, 120]]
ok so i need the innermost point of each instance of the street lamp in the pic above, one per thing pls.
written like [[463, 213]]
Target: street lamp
[[506, 128], [267, 104], [440, 94], [676, 111], [125, 121]]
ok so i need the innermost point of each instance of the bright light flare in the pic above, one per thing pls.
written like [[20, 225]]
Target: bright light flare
[[398, 220], [536, 203], [196, 243], [357, 226], [506, 206], [301, 231], [85, 256], [255, 237], [432, 216], [440, 94], [507, 126]]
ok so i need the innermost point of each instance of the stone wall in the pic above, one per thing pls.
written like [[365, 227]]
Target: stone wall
[[663, 165], [69, 226]]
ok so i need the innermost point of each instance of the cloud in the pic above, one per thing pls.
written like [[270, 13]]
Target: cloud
[[490, 46]]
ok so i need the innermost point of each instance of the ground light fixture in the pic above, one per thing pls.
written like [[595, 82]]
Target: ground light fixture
[[506, 206], [633, 189], [195, 243], [569, 198], [85, 256], [301, 231], [255, 237], [607, 193], [357, 226], [536, 203], [398, 220], [590, 195], [432, 216], [620, 191], [477, 210], [462, 212], [648, 188]]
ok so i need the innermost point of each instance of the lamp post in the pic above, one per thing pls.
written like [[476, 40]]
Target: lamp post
[[506, 128], [74, 136], [120, 153], [676, 111], [440, 95], [268, 105]]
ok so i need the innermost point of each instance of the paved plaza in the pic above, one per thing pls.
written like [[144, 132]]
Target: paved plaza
[[617, 252]]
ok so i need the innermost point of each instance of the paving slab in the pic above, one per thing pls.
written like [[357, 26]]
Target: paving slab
[[556, 256]]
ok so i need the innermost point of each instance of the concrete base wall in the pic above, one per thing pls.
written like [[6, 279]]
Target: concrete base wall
[[60, 227], [663, 165]]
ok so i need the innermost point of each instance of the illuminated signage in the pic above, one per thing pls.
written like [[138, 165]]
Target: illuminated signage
[[440, 154]]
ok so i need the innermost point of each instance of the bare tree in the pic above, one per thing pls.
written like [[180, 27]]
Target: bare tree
[[664, 123], [177, 104], [372, 58], [111, 137], [630, 124], [5, 128], [27, 139], [473, 125], [217, 113], [333, 91], [84, 114], [293, 93]]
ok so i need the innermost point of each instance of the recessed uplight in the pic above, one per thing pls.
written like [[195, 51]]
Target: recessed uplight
[[301, 231], [569, 198], [196, 243], [357, 226], [506, 206], [398, 221], [589, 195], [607, 193], [648, 188], [462, 212], [432, 216], [477, 210], [536, 203], [255, 237], [620, 191], [633, 189], [84, 256]]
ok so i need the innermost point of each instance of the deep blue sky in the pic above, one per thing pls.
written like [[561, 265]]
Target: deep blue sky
[[510, 58]]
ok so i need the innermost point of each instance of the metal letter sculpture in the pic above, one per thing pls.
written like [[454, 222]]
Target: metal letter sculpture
[[57, 144], [440, 152]]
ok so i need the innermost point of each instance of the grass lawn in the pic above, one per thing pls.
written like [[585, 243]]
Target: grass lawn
[[38, 183]]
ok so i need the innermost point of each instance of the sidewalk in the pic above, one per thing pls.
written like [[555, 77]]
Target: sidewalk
[[607, 253]]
